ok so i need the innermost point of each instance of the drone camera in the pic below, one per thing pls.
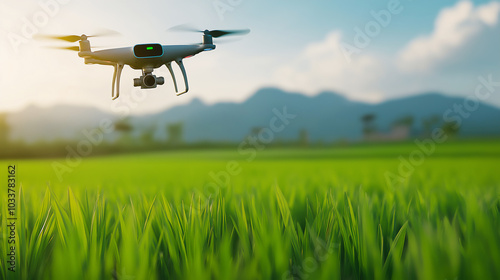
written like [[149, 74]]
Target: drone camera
[[148, 81]]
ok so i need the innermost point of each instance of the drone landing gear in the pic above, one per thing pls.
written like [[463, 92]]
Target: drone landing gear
[[148, 80], [116, 80], [181, 66], [169, 66]]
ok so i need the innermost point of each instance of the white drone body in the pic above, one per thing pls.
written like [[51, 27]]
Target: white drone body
[[145, 57]]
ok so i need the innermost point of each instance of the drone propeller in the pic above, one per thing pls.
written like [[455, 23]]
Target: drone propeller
[[68, 38], [213, 33], [68, 48], [222, 33], [76, 38]]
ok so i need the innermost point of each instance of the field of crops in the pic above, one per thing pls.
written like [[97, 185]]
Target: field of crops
[[285, 214]]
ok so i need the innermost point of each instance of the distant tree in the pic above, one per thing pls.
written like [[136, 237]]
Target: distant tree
[[406, 121], [451, 128], [368, 123], [255, 130], [303, 138], [429, 123], [147, 136], [175, 133], [368, 118], [4, 129], [124, 128]]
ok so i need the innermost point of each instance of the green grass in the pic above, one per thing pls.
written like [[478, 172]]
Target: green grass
[[289, 214]]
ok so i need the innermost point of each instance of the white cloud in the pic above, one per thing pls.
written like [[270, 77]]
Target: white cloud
[[463, 45], [322, 65], [453, 28]]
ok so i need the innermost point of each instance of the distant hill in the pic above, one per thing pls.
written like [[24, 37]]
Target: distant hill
[[327, 116], [57, 122]]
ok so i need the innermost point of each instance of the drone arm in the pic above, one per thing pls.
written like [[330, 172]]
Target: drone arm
[[181, 65], [169, 66], [116, 80]]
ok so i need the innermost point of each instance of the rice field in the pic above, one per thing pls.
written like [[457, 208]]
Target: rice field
[[329, 213]]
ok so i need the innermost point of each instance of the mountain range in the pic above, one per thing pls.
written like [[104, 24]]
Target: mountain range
[[327, 116]]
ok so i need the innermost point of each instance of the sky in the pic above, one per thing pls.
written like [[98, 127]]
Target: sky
[[365, 50]]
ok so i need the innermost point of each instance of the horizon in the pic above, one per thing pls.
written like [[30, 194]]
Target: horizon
[[198, 99]]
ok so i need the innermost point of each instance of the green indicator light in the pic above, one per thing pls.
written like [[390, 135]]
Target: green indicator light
[[149, 48]]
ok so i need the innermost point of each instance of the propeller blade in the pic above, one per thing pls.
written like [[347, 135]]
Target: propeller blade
[[183, 28], [213, 33], [71, 48], [68, 48], [76, 38], [221, 33], [106, 32], [67, 38]]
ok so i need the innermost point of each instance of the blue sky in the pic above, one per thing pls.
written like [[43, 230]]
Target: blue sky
[[296, 45]]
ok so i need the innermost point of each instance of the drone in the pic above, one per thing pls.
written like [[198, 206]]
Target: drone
[[145, 57]]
